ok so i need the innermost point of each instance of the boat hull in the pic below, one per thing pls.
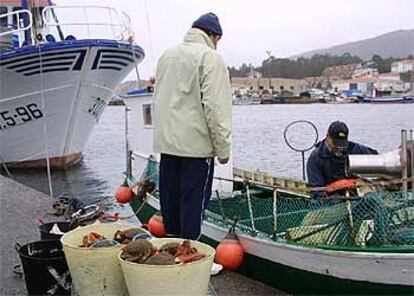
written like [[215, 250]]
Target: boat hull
[[50, 102], [59, 162], [311, 271]]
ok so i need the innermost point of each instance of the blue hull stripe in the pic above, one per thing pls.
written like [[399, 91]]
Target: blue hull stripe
[[108, 62], [123, 48], [119, 57], [110, 68], [44, 66], [37, 56], [43, 61]]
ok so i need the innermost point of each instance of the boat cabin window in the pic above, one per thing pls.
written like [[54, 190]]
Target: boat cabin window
[[3, 20], [147, 112]]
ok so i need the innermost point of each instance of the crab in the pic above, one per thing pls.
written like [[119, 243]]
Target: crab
[[169, 248], [126, 236], [185, 249], [91, 238], [162, 258], [138, 251]]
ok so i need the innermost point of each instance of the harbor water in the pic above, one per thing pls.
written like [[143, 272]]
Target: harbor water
[[258, 143]]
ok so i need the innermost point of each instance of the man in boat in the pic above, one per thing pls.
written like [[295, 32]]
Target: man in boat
[[327, 164], [192, 125]]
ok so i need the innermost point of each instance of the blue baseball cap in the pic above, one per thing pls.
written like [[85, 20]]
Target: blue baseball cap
[[208, 22], [339, 133]]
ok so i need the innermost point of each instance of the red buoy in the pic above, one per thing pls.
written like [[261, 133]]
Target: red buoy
[[123, 194], [156, 225], [230, 252]]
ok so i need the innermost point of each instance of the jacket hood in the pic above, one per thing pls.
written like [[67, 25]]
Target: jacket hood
[[195, 35]]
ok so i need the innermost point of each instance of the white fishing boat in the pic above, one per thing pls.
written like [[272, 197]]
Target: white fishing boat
[[388, 100], [56, 77], [363, 245]]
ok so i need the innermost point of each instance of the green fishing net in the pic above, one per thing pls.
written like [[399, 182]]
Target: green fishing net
[[378, 219]]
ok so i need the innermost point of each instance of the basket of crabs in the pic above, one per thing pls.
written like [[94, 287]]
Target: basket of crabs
[[166, 266]]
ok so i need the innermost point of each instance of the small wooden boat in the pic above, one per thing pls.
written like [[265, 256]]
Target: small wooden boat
[[294, 243]]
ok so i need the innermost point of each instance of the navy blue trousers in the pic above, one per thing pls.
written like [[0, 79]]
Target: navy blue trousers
[[185, 189]]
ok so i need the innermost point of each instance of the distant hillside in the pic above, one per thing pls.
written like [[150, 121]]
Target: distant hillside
[[397, 44]]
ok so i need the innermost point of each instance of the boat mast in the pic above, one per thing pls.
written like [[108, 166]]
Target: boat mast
[[61, 36]]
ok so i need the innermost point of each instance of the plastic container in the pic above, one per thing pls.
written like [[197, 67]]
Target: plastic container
[[181, 279], [95, 271], [44, 268], [44, 229]]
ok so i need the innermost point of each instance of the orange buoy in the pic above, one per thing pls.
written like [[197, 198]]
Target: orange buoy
[[156, 225], [230, 252], [341, 184], [123, 194]]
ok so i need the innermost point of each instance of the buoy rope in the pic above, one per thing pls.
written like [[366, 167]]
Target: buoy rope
[[116, 216]]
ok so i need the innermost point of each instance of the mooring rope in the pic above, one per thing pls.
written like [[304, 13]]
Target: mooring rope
[[45, 133], [5, 168]]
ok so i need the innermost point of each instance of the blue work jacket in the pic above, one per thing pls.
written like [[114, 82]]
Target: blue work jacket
[[324, 167]]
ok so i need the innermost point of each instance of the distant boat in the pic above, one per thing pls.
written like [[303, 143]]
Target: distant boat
[[388, 100], [290, 99], [54, 86]]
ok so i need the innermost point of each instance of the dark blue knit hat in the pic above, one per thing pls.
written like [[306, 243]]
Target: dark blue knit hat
[[208, 22]]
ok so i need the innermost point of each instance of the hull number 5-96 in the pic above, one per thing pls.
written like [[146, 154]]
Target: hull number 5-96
[[20, 115]]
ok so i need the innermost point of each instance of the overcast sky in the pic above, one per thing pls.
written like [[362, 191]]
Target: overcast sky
[[250, 28]]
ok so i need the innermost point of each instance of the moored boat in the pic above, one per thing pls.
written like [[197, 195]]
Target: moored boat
[[57, 77], [354, 246], [388, 100]]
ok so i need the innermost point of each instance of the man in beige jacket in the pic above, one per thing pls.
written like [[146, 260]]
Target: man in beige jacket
[[192, 121]]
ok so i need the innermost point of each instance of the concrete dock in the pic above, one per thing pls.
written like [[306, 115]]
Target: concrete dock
[[19, 208]]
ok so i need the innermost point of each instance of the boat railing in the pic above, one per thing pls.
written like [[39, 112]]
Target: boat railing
[[119, 23], [20, 26]]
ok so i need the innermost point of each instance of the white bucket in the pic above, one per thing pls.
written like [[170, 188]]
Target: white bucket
[[181, 279], [95, 271]]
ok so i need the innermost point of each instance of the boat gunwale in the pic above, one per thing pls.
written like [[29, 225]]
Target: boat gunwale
[[67, 44], [325, 250]]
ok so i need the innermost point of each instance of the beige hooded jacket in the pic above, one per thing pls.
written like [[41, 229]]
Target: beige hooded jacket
[[192, 100]]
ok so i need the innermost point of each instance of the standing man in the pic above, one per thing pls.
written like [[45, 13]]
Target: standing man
[[192, 125], [328, 162]]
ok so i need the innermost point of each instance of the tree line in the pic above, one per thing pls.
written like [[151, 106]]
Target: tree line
[[307, 67]]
